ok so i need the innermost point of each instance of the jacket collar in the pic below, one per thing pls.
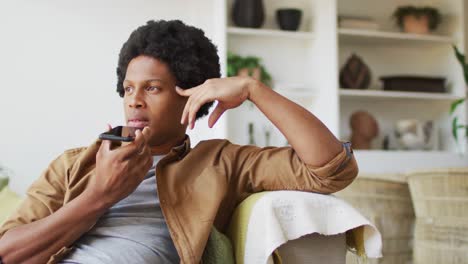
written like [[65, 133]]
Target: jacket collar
[[182, 149]]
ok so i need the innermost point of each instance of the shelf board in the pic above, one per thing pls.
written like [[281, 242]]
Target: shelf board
[[374, 36], [355, 93], [392, 162], [269, 33]]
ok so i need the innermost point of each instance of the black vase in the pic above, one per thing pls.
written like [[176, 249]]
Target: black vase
[[248, 13], [288, 18]]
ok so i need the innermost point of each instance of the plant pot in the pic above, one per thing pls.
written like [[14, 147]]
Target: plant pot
[[416, 24], [289, 18], [248, 13]]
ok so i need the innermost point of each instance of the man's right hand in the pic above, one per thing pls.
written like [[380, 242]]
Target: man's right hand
[[120, 171]]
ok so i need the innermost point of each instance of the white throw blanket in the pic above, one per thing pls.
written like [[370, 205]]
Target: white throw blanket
[[280, 216]]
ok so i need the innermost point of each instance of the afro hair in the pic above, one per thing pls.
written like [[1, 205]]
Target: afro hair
[[190, 55]]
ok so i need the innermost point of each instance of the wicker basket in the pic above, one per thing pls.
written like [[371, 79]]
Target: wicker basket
[[440, 198], [388, 205]]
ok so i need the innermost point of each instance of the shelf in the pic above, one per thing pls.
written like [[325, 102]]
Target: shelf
[[355, 93], [269, 33], [395, 161], [372, 37]]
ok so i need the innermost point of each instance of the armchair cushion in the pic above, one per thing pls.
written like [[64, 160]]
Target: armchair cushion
[[8, 202]]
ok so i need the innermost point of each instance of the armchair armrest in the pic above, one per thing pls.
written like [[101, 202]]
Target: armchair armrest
[[265, 221]]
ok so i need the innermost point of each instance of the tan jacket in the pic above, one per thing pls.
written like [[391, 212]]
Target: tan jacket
[[197, 188]]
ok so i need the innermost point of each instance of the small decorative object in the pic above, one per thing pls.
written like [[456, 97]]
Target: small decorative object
[[251, 134], [289, 18], [413, 134], [456, 126], [408, 83], [353, 22], [386, 143], [417, 20], [248, 13], [364, 129], [249, 65], [355, 74]]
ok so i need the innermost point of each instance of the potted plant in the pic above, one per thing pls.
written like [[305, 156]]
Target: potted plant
[[456, 126], [418, 20], [250, 65]]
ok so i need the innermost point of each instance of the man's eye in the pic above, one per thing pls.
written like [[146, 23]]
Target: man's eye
[[152, 89], [128, 89]]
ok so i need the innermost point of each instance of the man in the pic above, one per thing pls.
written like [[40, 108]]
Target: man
[[155, 200]]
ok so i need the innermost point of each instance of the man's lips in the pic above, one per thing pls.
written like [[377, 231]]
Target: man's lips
[[140, 123]]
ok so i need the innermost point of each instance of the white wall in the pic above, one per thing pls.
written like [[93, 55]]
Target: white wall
[[57, 68]]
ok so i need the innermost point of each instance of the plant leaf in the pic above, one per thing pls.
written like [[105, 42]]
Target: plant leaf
[[455, 104], [462, 60], [455, 128], [3, 183]]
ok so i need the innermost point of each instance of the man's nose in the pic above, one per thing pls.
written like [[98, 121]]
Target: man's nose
[[137, 100]]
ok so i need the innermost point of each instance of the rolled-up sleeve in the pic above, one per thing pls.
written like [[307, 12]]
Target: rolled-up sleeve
[[268, 169]]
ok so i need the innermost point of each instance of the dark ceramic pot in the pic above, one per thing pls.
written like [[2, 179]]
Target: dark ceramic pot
[[289, 18], [248, 13]]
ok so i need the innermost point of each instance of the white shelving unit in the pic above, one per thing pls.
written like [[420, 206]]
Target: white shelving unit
[[388, 95], [311, 58], [374, 36], [269, 33]]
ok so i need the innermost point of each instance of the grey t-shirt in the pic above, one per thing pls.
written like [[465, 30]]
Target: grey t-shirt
[[131, 231]]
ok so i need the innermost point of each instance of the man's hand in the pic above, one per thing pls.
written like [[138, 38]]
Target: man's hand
[[229, 92], [120, 171]]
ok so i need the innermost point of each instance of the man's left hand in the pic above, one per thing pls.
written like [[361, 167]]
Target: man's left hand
[[229, 92]]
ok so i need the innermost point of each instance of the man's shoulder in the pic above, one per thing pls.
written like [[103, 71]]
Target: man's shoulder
[[217, 143], [84, 153]]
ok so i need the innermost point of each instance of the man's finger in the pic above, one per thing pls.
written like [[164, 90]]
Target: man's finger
[[105, 147], [127, 151], [186, 92], [183, 120], [217, 112], [146, 132]]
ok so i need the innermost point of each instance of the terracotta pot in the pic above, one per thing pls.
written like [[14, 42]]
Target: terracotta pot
[[256, 73], [416, 24]]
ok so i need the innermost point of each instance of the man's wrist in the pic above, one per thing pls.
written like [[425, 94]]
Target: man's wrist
[[95, 203], [254, 86]]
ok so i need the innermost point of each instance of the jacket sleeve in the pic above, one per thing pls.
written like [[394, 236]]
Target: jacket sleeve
[[257, 169], [43, 197]]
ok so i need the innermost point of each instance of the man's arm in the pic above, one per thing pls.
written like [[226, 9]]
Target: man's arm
[[37, 241], [34, 237], [308, 136]]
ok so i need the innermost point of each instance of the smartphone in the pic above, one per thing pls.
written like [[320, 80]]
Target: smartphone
[[120, 133]]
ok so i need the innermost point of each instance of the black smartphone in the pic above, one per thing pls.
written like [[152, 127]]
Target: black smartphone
[[120, 133]]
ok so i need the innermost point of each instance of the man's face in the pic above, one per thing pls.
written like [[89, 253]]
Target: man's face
[[150, 99]]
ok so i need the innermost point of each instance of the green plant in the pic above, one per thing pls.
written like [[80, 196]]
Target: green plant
[[236, 62], [432, 14], [3, 183], [456, 126], [3, 177]]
